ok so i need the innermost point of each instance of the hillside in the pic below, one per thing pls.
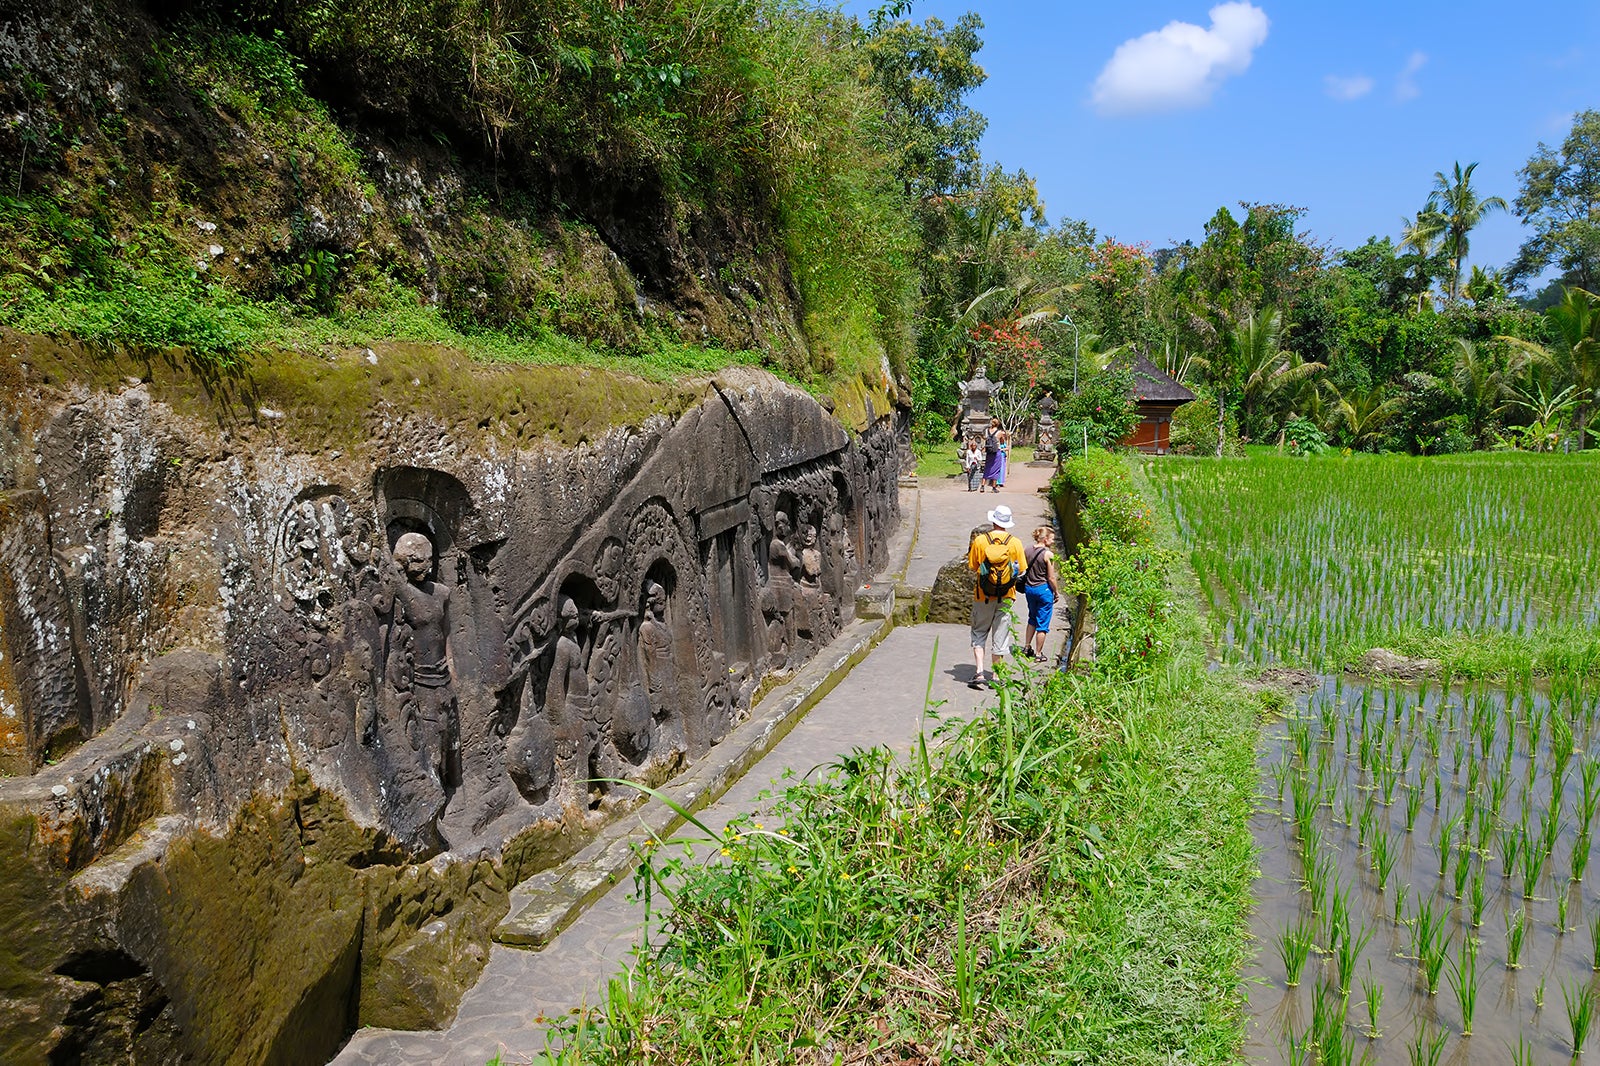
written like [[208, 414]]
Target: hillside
[[654, 189]]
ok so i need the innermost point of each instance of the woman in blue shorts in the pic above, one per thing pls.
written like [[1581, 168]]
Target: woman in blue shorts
[[1041, 586]]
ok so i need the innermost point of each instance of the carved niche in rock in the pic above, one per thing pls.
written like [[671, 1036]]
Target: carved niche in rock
[[417, 705], [602, 689]]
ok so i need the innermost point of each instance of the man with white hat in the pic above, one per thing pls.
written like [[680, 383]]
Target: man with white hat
[[996, 561]]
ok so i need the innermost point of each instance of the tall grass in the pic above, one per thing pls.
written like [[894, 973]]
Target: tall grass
[[1013, 887]]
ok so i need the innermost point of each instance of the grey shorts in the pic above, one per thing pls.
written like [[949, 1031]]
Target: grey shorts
[[992, 621]]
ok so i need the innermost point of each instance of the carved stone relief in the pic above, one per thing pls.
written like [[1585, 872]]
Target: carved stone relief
[[452, 640]]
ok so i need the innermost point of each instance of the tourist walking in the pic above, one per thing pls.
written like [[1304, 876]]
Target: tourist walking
[[1041, 587], [1005, 459], [991, 456], [996, 561], [972, 463]]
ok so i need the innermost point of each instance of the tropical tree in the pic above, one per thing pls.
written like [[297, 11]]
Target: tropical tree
[[1484, 285], [1560, 200], [924, 72], [1453, 212], [1365, 413], [1548, 411], [1264, 369], [1575, 321], [1485, 383], [1545, 406], [1012, 404], [1421, 236]]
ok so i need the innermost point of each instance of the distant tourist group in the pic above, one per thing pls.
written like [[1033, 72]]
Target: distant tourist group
[[1000, 565], [984, 459]]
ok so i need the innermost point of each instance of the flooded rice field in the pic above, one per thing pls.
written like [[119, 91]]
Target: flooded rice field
[[1426, 892], [1299, 561]]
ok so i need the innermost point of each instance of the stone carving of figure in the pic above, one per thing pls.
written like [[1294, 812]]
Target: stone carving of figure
[[818, 615], [306, 574], [569, 696], [531, 743], [810, 559], [1044, 446], [360, 624], [783, 563], [618, 705], [607, 570], [656, 661], [417, 658], [356, 543], [844, 576]]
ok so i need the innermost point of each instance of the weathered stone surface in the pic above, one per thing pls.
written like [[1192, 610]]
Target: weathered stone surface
[[951, 599], [291, 777], [44, 701], [1381, 662]]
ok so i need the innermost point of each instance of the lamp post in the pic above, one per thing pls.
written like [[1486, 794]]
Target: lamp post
[[1066, 320]]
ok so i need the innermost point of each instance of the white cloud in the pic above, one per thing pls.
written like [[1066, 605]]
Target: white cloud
[[1405, 87], [1180, 65], [1351, 88]]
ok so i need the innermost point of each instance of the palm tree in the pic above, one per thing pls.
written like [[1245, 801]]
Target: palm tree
[[1484, 285], [1576, 352], [1421, 236], [1265, 368], [1365, 413], [1485, 383], [1577, 322], [1456, 209], [1094, 356]]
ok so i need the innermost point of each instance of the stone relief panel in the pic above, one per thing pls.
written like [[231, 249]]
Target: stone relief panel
[[457, 676], [462, 645]]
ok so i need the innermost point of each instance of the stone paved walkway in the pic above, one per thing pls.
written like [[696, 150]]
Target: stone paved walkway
[[949, 512], [881, 702]]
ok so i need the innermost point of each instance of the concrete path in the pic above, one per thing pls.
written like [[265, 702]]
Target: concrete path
[[949, 512], [881, 702]]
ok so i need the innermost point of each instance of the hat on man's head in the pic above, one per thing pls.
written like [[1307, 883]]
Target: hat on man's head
[[1001, 516]]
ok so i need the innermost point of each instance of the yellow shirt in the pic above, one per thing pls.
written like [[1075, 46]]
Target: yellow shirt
[[975, 556]]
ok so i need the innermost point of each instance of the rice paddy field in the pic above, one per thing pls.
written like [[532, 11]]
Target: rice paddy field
[[1301, 561], [1426, 894]]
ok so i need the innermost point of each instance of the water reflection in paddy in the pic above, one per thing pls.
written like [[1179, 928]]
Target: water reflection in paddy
[[1413, 838]]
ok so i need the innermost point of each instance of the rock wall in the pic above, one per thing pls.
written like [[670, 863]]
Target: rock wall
[[282, 724]]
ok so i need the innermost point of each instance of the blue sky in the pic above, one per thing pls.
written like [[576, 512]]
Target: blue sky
[[1343, 108]]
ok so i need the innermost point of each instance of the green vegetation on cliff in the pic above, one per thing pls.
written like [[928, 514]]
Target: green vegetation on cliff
[[573, 182]]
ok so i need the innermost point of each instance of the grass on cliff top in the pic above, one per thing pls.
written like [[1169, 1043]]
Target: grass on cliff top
[[157, 307], [1064, 878], [337, 400], [223, 358]]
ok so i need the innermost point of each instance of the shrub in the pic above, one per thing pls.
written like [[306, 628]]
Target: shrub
[[1112, 508], [1103, 407], [1120, 569], [1301, 437], [1127, 588], [1455, 435], [1194, 430], [930, 430]]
